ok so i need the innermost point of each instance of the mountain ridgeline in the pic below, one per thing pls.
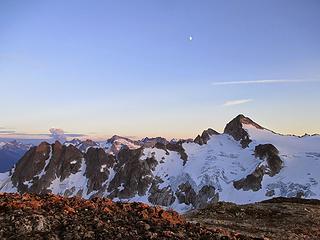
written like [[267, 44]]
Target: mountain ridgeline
[[246, 163]]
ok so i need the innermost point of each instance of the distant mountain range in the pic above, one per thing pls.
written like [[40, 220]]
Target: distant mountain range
[[245, 163], [10, 153]]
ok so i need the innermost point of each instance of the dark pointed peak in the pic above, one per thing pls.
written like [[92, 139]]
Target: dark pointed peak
[[205, 136], [241, 119], [236, 130], [57, 144], [42, 146], [210, 132]]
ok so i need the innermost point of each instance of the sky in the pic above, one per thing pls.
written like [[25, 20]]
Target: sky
[[167, 68]]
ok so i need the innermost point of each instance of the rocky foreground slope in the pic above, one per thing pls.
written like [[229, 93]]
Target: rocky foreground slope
[[278, 218], [55, 217], [246, 163]]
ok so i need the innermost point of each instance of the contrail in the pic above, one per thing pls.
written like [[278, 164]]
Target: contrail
[[237, 102], [263, 81]]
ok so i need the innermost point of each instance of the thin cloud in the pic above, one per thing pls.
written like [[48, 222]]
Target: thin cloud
[[7, 131], [237, 102], [4, 130], [55, 134], [266, 81]]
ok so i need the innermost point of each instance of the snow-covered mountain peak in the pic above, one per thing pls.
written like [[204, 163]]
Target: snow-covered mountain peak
[[82, 145], [237, 129], [151, 142], [244, 164], [205, 136], [116, 143]]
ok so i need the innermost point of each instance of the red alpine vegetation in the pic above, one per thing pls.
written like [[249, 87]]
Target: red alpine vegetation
[[55, 217]]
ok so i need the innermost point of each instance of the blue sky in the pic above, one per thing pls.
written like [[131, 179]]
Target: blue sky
[[128, 67]]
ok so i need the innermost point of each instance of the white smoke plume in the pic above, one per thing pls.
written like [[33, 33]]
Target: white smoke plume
[[58, 134]]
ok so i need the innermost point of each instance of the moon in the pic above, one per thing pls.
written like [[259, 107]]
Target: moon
[[190, 38]]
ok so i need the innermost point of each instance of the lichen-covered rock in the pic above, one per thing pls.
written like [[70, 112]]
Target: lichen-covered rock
[[56, 217]]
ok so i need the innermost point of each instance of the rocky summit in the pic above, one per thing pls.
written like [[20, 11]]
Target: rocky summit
[[244, 164], [278, 218], [56, 217]]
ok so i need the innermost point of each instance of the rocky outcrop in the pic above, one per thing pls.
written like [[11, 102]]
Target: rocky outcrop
[[151, 142], [235, 129], [85, 145], [41, 165], [98, 163], [207, 195], [133, 176], [270, 154], [205, 136], [161, 196], [252, 181], [116, 143], [271, 166], [30, 165], [277, 218], [173, 146], [187, 195]]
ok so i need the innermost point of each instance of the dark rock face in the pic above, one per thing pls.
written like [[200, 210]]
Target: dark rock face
[[64, 161], [205, 136], [186, 194], [251, 182], [46, 162], [30, 165], [234, 128], [98, 162], [272, 167], [206, 195], [42, 164], [270, 153], [132, 174], [163, 197]]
